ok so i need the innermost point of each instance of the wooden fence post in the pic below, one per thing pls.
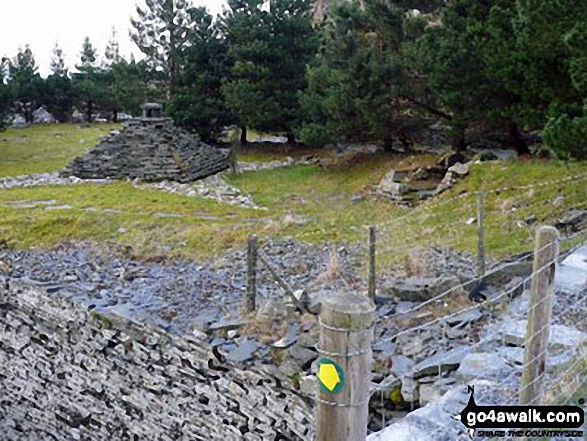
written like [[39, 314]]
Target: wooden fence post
[[539, 311], [480, 234], [344, 369], [372, 273], [251, 293]]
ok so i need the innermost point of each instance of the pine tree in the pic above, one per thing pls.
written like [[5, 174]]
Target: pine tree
[[4, 105], [160, 32], [112, 53], [360, 86], [25, 83], [59, 96], [197, 103], [86, 84], [269, 49], [88, 57], [129, 86], [58, 61]]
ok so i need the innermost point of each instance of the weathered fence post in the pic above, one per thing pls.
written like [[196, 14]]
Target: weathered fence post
[[344, 369], [372, 273], [539, 311], [251, 293], [480, 234]]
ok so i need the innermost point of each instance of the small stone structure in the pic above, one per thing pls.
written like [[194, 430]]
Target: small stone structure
[[152, 110], [151, 149]]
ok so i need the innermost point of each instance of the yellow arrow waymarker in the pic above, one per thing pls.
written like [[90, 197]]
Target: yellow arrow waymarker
[[330, 375]]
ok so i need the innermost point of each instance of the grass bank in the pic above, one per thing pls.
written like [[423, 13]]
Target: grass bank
[[45, 148], [305, 202]]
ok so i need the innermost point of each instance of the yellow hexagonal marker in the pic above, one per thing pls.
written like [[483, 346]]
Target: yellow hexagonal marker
[[331, 376]]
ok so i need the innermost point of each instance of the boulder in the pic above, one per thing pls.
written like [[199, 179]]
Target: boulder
[[429, 392], [19, 121], [459, 169], [496, 155], [410, 389], [466, 317], [514, 334], [434, 422], [77, 116], [573, 221], [244, 352], [503, 274], [41, 116], [450, 159], [401, 366], [308, 385], [441, 362], [484, 366], [297, 359]]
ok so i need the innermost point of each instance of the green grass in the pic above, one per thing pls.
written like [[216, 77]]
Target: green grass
[[191, 235], [323, 197], [40, 149]]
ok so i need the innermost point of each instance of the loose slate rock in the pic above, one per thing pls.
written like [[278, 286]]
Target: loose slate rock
[[483, 365], [243, 352], [441, 362], [515, 334], [421, 289], [470, 316]]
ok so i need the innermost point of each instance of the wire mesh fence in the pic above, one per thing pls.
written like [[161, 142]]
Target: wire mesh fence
[[466, 267]]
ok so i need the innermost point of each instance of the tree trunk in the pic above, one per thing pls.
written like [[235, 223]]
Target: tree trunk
[[89, 111], [115, 116], [291, 138], [458, 140], [388, 145], [243, 135], [515, 140]]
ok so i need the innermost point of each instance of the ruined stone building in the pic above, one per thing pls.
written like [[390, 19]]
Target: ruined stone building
[[151, 149]]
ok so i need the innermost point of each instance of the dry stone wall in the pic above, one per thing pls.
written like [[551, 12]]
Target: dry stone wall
[[150, 150], [69, 374]]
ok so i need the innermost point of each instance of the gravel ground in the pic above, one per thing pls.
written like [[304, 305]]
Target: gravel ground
[[180, 294]]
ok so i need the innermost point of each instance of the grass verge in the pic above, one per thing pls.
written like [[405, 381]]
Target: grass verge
[[40, 149]]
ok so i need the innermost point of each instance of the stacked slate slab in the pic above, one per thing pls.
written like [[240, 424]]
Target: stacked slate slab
[[150, 149], [70, 374]]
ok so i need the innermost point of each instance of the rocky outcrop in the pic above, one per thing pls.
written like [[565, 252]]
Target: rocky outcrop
[[151, 150]]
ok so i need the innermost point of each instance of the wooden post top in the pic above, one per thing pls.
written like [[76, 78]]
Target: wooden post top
[[348, 311]]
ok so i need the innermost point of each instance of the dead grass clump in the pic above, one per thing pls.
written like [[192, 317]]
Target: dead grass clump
[[345, 161], [416, 264], [333, 270]]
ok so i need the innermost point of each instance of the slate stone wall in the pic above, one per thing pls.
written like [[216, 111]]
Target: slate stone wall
[[151, 150], [68, 374]]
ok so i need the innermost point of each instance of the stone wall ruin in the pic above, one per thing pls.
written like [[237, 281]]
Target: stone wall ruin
[[66, 373], [152, 150]]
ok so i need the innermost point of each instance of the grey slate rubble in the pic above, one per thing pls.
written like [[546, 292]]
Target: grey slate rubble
[[70, 374], [151, 150], [491, 366]]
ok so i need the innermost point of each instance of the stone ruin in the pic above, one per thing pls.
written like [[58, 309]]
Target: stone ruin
[[151, 149]]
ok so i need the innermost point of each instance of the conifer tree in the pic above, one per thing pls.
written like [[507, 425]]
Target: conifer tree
[[58, 61], [160, 32]]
